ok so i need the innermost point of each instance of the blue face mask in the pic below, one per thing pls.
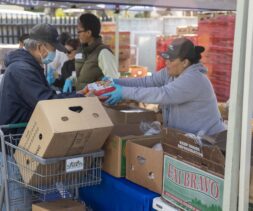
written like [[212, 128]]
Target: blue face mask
[[49, 58]]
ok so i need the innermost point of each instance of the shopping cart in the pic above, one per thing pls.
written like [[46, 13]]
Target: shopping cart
[[39, 176]]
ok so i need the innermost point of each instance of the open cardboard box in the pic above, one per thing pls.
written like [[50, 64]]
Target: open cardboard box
[[143, 163], [193, 174]]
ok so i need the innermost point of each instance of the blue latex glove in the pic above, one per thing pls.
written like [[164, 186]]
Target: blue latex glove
[[114, 96], [50, 76], [106, 78], [67, 86]]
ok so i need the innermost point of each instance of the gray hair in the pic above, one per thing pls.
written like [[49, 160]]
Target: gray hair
[[31, 44]]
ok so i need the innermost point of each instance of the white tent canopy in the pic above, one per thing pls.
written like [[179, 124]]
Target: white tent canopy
[[186, 4]]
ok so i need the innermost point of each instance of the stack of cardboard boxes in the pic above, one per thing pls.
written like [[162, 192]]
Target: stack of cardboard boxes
[[124, 47], [185, 173], [126, 122], [184, 30]]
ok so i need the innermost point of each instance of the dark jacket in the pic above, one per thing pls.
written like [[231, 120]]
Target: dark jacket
[[23, 85], [66, 71]]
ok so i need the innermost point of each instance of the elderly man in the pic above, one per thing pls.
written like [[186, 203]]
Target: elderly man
[[24, 83]]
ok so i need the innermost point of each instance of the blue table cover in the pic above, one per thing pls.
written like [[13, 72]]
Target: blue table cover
[[117, 194]]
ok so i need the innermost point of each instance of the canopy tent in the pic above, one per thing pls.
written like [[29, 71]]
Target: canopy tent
[[186, 4]]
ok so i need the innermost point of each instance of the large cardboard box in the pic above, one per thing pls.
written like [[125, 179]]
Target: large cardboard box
[[60, 128], [124, 114], [114, 161], [143, 163], [193, 174], [66, 127], [59, 205]]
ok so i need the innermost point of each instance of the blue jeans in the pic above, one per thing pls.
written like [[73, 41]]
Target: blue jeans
[[17, 192]]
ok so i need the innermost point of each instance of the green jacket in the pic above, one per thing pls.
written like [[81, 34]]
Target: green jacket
[[87, 69]]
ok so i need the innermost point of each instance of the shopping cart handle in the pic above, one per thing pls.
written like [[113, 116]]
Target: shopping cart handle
[[15, 125]]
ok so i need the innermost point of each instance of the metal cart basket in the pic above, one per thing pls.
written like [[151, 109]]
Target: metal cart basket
[[22, 168]]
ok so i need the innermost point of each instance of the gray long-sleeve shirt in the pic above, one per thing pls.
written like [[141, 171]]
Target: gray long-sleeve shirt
[[189, 102]]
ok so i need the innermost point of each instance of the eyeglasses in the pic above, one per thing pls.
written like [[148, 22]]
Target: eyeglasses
[[78, 32]]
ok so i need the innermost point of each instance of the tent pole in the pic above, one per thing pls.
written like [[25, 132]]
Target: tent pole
[[116, 18], [245, 161], [235, 109]]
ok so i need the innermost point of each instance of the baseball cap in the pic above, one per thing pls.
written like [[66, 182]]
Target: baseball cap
[[181, 48], [47, 33]]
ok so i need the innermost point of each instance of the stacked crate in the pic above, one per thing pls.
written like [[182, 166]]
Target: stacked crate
[[216, 34], [162, 43], [124, 47]]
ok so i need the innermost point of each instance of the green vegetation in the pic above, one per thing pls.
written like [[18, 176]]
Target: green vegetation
[[197, 203]]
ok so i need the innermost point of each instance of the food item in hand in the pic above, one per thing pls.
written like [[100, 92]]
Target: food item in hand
[[100, 87]]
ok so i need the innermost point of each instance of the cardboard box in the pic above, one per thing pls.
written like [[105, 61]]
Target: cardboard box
[[138, 71], [124, 53], [59, 205], [181, 30], [114, 161], [251, 183], [129, 115], [108, 27], [60, 128], [144, 164], [193, 175], [191, 188], [109, 38], [124, 65], [64, 127]]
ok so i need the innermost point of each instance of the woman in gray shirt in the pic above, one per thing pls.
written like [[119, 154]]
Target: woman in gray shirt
[[182, 89]]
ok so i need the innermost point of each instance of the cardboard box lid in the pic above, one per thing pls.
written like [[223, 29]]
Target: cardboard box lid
[[209, 157], [74, 114], [59, 205]]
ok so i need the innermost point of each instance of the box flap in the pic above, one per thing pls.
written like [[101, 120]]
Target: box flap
[[209, 157], [59, 205], [146, 141]]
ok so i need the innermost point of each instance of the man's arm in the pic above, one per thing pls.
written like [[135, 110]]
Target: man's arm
[[32, 87]]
